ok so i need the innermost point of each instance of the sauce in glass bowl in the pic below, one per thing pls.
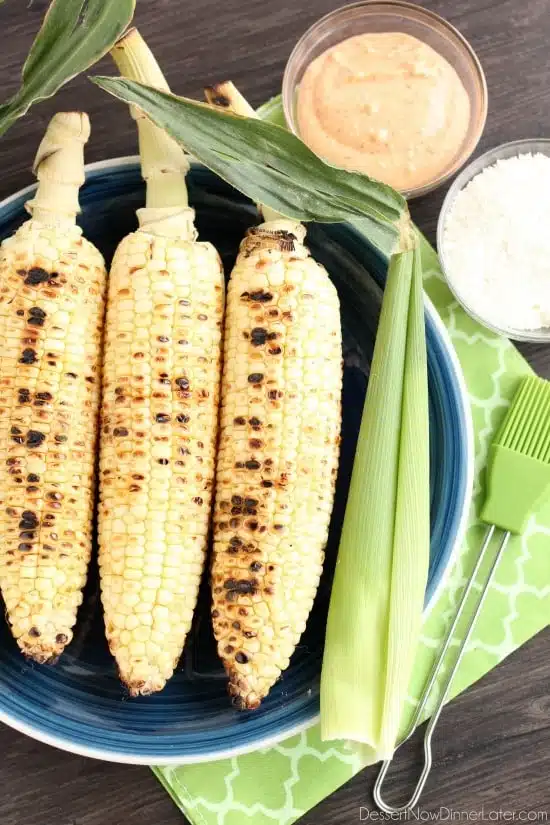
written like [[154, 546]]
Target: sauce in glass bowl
[[384, 103]]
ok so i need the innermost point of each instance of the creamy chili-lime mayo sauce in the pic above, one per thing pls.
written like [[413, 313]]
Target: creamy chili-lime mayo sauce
[[385, 104]]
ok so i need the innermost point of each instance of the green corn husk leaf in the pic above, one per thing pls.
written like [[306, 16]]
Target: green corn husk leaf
[[269, 164], [382, 568], [75, 34]]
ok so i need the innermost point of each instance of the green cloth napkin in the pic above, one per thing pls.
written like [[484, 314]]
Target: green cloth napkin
[[278, 785]]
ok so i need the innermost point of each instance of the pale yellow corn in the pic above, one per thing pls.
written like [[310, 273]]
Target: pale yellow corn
[[160, 405], [278, 454], [51, 313]]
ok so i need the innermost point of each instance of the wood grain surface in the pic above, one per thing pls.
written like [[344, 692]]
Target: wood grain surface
[[492, 747]]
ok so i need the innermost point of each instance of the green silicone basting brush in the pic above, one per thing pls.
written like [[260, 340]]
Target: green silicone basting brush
[[518, 470], [518, 480]]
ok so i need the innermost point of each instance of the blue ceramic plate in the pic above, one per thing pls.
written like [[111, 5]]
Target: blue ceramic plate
[[79, 704]]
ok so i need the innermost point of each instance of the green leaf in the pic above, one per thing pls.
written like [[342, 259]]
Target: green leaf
[[75, 34], [268, 163], [379, 584]]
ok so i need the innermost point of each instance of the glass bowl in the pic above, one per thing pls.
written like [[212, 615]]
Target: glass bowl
[[394, 16], [506, 150]]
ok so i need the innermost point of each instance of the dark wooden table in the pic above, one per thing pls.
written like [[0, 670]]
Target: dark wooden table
[[493, 743]]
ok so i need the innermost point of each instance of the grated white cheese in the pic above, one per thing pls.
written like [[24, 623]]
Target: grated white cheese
[[496, 243]]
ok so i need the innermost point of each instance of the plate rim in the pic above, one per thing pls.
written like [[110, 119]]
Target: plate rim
[[123, 757]]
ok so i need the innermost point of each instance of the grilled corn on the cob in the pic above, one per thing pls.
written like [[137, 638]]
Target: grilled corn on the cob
[[160, 402], [51, 314], [278, 451]]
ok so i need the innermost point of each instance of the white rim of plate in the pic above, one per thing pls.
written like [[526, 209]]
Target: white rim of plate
[[268, 741]]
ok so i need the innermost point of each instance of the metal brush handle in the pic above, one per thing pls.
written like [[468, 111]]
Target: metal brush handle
[[383, 806]]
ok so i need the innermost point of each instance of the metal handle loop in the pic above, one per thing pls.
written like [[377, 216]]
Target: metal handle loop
[[437, 666]]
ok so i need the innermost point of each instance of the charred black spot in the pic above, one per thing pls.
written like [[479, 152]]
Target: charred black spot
[[218, 99], [236, 500], [254, 422], [183, 383], [255, 377], [258, 336], [24, 396], [261, 296], [60, 439], [20, 312], [255, 566], [28, 521], [239, 421], [55, 496], [236, 625], [215, 614], [252, 464], [241, 586], [36, 275], [255, 443], [184, 302], [202, 317], [44, 396], [120, 431], [183, 419], [235, 541], [162, 418], [252, 525], [33, 478], [37, 317], [164, 461], [241, 657], [163, 339], [197, 500], [70, 374], [228, 649], [27, 535], [25, 547], [61, 639], [28, 356], [34, 632], [275, 350]]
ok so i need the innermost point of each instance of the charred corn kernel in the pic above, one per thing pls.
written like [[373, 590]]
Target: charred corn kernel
[[278, 454], [159, 414], [51, 315]]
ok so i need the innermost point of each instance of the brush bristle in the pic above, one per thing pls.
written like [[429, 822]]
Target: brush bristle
[[526, 428]]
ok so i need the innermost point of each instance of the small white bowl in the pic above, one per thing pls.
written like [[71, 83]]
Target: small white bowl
[[503, 152]]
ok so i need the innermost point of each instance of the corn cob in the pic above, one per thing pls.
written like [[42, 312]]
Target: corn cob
[[51, 315], [160, 400], [278, 450]]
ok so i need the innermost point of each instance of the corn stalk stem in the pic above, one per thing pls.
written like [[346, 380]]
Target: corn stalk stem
[[59, 167], [227, 96], [163, 163]]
